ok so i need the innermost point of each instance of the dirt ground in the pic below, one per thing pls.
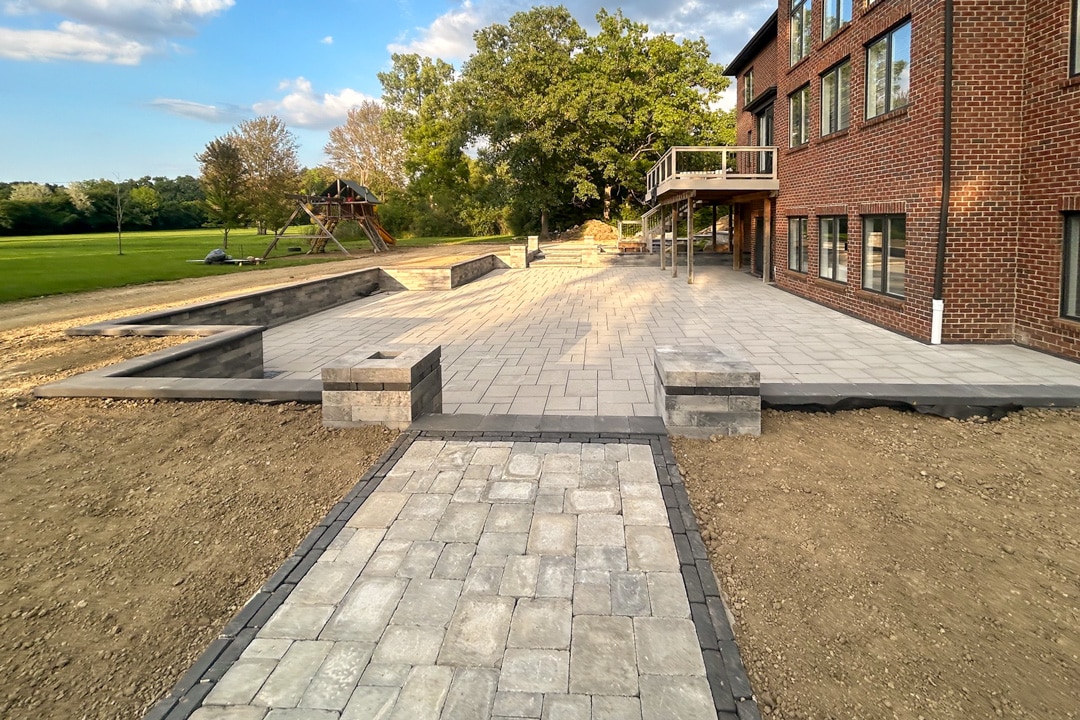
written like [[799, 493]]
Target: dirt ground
[[889, 565], [879, 564]]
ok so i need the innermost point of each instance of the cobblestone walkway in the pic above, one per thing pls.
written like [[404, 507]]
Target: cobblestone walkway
[[500, 578]]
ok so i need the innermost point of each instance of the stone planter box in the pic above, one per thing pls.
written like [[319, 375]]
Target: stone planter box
[[388, 385], [700, 392]]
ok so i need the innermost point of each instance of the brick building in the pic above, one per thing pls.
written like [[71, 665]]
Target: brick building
[[879, 109]]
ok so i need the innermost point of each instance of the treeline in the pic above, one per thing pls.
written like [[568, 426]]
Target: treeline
[[149, 203]]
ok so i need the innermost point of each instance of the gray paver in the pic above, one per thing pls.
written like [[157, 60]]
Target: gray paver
[[297, 621], [504, 518], [428, 602], [602, 657], [582, 500], [650, 548], [567, 707], [336, 679], [409, 645], [379, 510], [667, 595], [615, 707], [686, 698], [555, 577], [472, 694], [462, 523], [477, 633], [241, 682], [423, 694], [541, 623], [534, 671], [667, 646], [455, 561], [552, 534], [597, 529], [420, 560], [519, 576], [371, 702], [518, 705], [366, 610], [243, 712], [629, 594], [286, 685]]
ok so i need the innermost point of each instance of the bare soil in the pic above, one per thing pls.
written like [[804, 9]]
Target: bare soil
[[879, 564], [890, 565]]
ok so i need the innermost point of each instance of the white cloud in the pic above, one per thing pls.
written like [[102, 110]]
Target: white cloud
[[122, 32], [328, 40], [199, 111], [303, 107], [725, 24], [71, 41], [450, 36]]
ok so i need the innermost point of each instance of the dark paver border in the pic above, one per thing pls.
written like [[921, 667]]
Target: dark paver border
[[186, 696], [728, 681]]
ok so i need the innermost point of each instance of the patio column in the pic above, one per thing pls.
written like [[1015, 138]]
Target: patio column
[[674, 239], [690, 241], [663, 238], [735, 238]]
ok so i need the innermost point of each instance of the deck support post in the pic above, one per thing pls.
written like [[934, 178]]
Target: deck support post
[[690, 241], [674, 239], [766, 250]]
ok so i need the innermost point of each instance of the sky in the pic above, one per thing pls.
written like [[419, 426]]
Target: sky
[[120, 89]]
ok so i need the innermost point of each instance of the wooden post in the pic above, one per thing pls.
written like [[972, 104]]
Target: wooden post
[[714, 228], [690, 241], [663, 239], [766, 253], [735, 236], [674, 240]]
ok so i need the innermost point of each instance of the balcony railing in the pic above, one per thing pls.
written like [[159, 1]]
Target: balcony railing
[[736, 169]]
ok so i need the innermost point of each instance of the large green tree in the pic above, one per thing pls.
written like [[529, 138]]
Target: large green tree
[[269, 154], [639, 94], [524, 105], [224, 182]]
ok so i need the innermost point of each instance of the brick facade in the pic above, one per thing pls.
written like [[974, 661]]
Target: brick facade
[[1015, 165]]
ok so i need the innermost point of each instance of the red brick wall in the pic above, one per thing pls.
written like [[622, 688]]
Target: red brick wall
[[891, 162], [1016, 130], [1050, 179], [764, 67]]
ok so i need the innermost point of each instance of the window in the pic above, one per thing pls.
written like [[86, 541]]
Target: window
[[748, 87], [884, 242], [888, 66], [1074, 64], [836, 99], [800, 30], [764, 121], [799, 121], [837, 15], [798, 256], [832, 248], [1070, 268]]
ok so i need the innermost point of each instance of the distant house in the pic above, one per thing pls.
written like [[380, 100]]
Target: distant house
[[927, 164]]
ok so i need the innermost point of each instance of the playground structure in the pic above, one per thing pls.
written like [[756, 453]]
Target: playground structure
[[341, 201]]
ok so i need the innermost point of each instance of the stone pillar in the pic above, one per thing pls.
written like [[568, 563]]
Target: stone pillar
[[519, 257], [388, 385], [700, 392], [534, 244]]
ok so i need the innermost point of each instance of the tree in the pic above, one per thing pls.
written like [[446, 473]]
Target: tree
[[644, 93], [315, 180], [522, 91], [368, 149], [224, 182], [268, 152]]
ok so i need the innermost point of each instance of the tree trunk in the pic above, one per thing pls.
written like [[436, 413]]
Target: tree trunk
[[543, 224], [225, 240], [607, 203]]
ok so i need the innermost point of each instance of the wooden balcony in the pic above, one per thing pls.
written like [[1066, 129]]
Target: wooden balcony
[[712, 173]]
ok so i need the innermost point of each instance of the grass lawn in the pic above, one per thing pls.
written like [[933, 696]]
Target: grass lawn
[[51, 264]]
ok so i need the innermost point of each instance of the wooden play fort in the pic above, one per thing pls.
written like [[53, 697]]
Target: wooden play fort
[[343, 200]]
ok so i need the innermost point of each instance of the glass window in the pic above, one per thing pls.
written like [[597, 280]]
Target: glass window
[[888, 71], [832, 254], [884, 245], [1074, 64], [800, 30], [835, 99], [798, 255], [799, 120], [1070, 273], [748, 87], [837, 14]]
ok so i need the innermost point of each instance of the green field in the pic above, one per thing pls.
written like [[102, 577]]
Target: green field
[[52, 264]]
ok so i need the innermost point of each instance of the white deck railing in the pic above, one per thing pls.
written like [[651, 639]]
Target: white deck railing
[[715, 167]]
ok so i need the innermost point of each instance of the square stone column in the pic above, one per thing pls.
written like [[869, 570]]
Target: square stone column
[[700, 392], [388, 385]]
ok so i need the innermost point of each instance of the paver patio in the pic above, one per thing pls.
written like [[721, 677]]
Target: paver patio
[[578, 341], [491, 579]]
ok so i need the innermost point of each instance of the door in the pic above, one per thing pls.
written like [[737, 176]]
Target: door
[[765, 139], [759, 244]]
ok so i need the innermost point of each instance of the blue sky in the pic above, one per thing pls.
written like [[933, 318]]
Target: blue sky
[[127, 88]]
